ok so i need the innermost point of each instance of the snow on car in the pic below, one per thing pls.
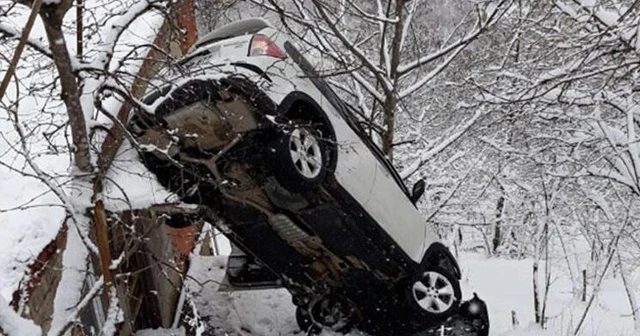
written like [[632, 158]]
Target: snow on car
[[246, 128]]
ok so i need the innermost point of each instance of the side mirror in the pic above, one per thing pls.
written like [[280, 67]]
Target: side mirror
[[418, 191]]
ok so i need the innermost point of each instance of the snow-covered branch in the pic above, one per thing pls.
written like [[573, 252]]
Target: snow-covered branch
[[359, 54], [428, 154], [481, 26], [36, 44]]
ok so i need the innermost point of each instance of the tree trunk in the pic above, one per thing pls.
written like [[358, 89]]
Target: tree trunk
[[631, 295], [536, 300], [497, 228], [389, 120], [391, 100], [547, 276], [52, 16]]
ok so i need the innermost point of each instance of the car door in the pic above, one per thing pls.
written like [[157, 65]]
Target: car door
[[396, 214]]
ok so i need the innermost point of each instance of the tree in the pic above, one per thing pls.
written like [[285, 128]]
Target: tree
[[85, 84], [387, 65], [570, 71]]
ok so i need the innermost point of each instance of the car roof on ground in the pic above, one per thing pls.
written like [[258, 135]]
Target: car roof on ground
[[237, 28]]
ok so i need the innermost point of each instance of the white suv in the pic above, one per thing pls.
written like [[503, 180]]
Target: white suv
[[244, 126]]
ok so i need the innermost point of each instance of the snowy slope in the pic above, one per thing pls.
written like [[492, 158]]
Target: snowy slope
[[506, 286], [30, 216]]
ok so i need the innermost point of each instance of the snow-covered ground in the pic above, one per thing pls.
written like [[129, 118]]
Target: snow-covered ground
[[35, 215], [234, 313], [506, 286]]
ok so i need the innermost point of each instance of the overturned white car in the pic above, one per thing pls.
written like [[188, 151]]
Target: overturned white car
[[246, 128]]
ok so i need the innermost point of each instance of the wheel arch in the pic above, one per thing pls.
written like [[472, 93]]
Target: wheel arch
[[299, 105], [201, 89], [292, 106], [439, 255]]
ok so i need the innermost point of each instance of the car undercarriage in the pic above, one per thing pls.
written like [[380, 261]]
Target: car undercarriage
[[216, 143]]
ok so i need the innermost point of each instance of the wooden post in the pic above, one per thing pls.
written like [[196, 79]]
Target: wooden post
[[102, 238]]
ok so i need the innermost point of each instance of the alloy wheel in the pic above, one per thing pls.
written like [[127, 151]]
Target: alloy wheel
[[434, 293], [304, 150]]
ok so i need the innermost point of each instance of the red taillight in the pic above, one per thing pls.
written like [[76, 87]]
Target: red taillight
[[262, 45]]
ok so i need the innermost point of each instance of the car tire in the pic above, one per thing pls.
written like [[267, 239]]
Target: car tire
[[305, 323], [300, 159], [434, 293]]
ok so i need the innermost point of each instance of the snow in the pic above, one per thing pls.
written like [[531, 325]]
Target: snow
[[13, 324], [74, 261], [161, 332], [234, 313], [506, 286], [38, 213], [130, 185]]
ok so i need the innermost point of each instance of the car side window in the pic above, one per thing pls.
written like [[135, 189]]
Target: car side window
[[342, 109]]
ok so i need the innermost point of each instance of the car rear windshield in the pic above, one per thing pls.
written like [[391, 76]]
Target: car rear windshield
[[249, 26]]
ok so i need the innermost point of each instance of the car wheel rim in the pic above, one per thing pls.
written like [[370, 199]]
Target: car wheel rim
[[305, 153], [434, 293]]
